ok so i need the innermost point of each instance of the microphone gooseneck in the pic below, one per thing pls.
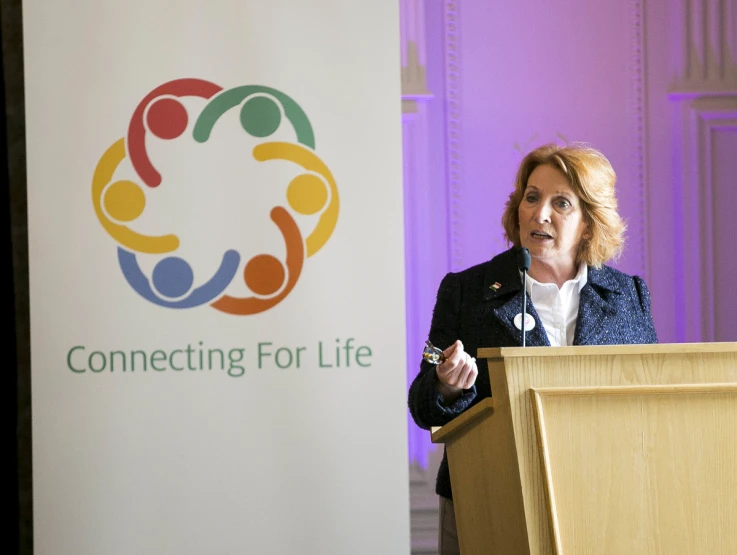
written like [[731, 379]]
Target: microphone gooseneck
[[523, 259], [523, 263]]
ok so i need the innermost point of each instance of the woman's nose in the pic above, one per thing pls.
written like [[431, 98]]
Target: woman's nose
[[542, 214]]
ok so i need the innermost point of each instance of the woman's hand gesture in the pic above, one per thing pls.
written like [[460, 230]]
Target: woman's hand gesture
[[457, 372]]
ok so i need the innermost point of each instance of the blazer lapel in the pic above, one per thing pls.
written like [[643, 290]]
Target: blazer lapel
[[505, 313], [597, 304], [503, 292]]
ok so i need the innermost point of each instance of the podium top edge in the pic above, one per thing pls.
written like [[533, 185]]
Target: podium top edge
[[596, 350]]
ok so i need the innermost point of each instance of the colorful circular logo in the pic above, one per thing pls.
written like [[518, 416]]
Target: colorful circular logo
[[119, 203]]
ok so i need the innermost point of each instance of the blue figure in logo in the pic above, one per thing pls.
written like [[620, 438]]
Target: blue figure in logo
[[173, 277]]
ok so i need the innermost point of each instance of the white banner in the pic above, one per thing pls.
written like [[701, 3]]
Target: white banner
[[217, 283]]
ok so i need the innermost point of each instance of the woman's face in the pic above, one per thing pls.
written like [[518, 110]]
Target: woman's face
[[551, 219]]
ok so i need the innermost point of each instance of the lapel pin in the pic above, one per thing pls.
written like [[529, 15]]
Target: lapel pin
[[529, 321], [495, 286]]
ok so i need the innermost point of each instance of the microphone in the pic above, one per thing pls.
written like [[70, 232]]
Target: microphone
[[523, 264]]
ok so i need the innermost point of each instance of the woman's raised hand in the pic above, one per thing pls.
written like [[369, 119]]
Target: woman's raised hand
[[457, 372]]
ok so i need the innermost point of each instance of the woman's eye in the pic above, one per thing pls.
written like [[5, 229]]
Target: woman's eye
[[563, 203], [530, 198]]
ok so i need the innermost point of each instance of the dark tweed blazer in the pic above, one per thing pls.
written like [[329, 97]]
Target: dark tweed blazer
[[614, 309]]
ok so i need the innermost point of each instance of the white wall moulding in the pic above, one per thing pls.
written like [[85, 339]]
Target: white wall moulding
[[638, 127], [704, 96], [706, 61], [702, 118], [453, 131]]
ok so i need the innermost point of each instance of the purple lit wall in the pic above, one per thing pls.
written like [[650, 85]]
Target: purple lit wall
[[652, 84]]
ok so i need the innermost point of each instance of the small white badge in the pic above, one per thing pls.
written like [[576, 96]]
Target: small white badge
[[529, 321]]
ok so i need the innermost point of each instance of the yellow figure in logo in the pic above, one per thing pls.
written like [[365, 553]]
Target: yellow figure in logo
[[124, 201], [307, 193]]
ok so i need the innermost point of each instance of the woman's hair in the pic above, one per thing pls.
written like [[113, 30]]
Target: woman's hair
[[592, 178]]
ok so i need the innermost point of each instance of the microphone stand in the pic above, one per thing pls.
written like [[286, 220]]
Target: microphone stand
[[524, 306], [523, 263]]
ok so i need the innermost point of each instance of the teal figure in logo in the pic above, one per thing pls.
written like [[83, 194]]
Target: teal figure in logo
[[260, 114], [172, 278]]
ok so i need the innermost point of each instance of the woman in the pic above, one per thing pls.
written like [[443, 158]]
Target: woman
[[564, 210]]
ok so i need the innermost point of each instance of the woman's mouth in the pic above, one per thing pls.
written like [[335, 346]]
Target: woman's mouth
[[540, 236]]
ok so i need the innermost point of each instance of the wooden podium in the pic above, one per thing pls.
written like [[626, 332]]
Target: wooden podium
[[627, 449]]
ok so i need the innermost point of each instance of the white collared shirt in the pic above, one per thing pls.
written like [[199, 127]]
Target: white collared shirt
[[558, 308]]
